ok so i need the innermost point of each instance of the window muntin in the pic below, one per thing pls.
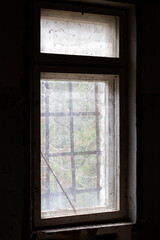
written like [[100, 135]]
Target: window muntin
[[79, 144], [64, 32]]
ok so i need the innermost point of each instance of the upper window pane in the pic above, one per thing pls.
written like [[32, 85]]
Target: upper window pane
[[72, 33]]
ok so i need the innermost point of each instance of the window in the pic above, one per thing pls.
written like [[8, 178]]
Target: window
[[79, 127], [66, 32], [81, 120]]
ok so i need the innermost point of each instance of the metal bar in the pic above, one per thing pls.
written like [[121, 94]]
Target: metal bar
[[72, 142], [64, 192], [61, 114], [47, 142], [97, 143], [69, 191], [74, 153]]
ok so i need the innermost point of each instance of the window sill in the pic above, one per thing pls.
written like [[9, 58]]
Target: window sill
[[86, 227], [120, 229]]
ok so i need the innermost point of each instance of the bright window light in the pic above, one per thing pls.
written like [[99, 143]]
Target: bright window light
[[72, 33], [79, 144]]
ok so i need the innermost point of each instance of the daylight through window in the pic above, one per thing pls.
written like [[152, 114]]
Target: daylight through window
[[64, 32], [79, 144]]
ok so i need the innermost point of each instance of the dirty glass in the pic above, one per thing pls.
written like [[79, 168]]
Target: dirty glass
[[79, 143], [74, 33]]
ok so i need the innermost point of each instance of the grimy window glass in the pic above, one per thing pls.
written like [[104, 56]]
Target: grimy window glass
[[79, 144], [72, 33]]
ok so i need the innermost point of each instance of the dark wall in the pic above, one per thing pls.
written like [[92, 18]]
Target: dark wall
[[14, 120], [148, 105]]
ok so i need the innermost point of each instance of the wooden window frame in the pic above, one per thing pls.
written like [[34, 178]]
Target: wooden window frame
[[121, 66]]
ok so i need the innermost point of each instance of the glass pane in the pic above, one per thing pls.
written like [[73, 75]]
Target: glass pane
[[59, 134], [79, 144], [85, 199], [59, 99], [83, 96], [84, 133], [86, 173], [74, 33]]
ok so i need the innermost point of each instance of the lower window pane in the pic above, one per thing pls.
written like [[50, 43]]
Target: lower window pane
[[79, 144]]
